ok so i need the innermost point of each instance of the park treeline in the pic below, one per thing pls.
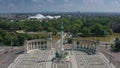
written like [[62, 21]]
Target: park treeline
[[78, 26], [17, 39], [116, 47]]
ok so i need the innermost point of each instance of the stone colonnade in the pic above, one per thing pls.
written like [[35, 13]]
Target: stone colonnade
[[84, 45], [38, 44]]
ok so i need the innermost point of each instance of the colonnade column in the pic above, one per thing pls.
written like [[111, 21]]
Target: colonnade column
[[37, 45], [27, 47]]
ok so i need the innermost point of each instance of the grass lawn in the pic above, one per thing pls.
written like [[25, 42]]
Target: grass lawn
[[55, 37], [104, 39]]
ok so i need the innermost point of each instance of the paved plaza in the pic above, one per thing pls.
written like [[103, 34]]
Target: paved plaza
[[92, 61], [42, 59], [35, 59]]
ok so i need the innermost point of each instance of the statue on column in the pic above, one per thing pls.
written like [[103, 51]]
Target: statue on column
[[60, 54]]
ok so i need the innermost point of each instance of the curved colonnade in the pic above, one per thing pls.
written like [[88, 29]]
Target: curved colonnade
[[38, 44], [84, 45]]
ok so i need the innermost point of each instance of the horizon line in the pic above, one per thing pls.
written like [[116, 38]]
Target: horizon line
[[56, 12]]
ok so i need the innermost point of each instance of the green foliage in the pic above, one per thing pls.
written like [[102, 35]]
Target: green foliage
[[54, 32], [69, 40], [86, 26], [117, 39], [86, 32], [16, 39], [117, 45], [5, 37]]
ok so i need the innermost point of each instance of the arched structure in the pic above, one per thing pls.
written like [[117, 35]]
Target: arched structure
[[84, 45], [38, 44]]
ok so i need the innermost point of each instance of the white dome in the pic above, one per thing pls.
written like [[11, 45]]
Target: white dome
[[38, 16]]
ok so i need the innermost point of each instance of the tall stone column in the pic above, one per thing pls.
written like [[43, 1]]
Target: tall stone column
[[61, 38]]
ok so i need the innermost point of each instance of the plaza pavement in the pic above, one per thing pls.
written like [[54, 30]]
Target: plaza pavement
[[42, 59]]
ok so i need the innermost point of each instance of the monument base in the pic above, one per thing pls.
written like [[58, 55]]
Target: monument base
[[61, 56]]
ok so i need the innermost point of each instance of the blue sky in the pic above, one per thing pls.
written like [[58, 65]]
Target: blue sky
[[9, 6]]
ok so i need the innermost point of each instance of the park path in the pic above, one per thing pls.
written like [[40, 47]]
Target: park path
[[56, 45]]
